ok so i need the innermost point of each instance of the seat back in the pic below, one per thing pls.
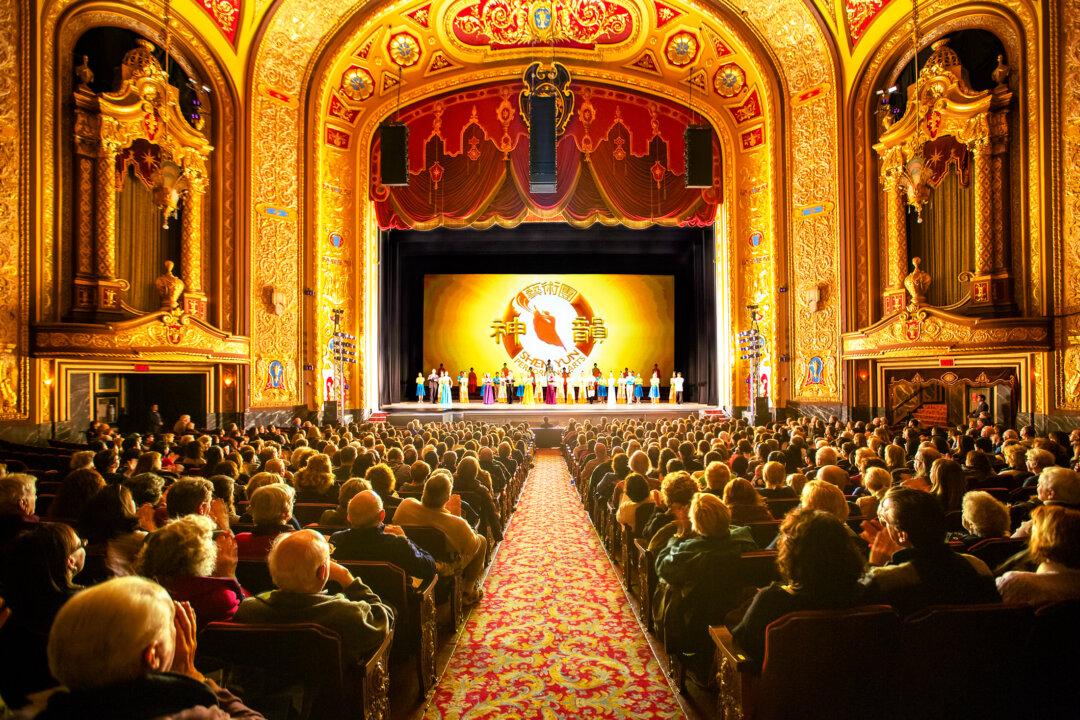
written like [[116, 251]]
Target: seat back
[[779, 507], [391, 584], [268, 658], [254, 576], [1054, 655], [311, 512], [994, 551], [764, 532], [832, 664], [432, 540], [963, 661], [758, 568]]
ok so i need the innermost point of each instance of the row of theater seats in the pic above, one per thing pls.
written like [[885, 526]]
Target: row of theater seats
[[972, 661]]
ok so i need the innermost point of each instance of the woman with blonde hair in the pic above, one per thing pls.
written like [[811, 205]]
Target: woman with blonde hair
[[315, 483], [1055, 546], [947, 481], [746, 504], [877, 481]]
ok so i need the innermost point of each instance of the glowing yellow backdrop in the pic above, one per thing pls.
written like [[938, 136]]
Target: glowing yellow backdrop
[[573, 321]]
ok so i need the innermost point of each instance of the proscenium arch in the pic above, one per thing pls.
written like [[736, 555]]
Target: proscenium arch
[[64, 23], [281, 81], [338, 55]]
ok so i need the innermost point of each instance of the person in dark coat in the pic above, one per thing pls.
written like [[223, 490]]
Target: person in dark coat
[[369, 539]]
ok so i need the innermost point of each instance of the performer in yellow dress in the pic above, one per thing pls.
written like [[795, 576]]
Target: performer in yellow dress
[[527, 398], [463, 387], [671, 390]]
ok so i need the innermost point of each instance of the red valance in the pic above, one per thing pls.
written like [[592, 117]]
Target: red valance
[[620, 161]]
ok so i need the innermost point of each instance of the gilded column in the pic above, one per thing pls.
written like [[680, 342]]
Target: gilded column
[[984, 223], [106, 211], [191, 243], [896, 260]]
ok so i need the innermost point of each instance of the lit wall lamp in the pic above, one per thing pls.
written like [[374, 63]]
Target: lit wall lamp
[[48, 382]]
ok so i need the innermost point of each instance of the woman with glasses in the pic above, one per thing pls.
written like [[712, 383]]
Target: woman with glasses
[[38, 581]]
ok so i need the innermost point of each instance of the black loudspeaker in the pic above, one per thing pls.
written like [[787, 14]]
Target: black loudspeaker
[[761, 410], [394, 154], [542, 144], [329, 413], [699, 159]]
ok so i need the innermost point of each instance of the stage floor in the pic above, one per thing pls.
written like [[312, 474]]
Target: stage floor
[[402, 412]]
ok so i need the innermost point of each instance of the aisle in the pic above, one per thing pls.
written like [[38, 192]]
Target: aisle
[[554, 636]]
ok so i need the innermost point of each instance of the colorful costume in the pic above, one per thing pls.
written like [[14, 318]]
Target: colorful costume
[[446, 395], [489, 390], [420, 387], [528, 392], [654, 388], [612, 393], [463, 388]]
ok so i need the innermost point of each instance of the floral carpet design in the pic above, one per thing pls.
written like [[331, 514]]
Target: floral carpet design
[[554, 636]]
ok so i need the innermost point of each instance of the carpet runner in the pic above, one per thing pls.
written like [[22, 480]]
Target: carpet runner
[[554, 636]]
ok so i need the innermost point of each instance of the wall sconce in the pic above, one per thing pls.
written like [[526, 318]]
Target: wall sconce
[[228, 379], [864, 375]]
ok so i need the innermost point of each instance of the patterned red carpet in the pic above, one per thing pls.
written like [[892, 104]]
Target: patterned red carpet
[[554, 636]]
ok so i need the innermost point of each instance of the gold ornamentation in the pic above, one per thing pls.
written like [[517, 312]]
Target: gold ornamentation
[[682, 48], [166, 333], [729, 81], [523, 22], [917, 283], [357, 84], [169, 287], [404, 49]]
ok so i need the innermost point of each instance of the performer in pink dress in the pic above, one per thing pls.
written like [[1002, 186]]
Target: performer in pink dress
[[489, 390], [550, 390]]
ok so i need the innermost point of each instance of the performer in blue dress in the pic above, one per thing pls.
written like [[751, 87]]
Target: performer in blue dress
[[420, 387], [446, 395]]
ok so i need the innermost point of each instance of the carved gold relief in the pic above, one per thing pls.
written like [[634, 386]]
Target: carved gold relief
[[14, 281], [1066, 370]]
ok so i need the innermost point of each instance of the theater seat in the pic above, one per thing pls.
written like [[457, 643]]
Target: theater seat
[[451, 588], [994, 551], [963, 661], [266, 662], [832, 665], [1053, 654]]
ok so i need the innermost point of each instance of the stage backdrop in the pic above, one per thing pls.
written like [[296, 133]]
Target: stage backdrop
[[573, 321]]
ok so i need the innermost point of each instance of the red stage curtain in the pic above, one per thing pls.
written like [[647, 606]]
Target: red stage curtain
[[624, 165]]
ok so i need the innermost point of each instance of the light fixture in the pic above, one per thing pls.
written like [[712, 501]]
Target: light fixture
[[912, 178]]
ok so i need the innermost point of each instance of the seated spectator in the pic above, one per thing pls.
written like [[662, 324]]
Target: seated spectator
[[636, 494], [835, 475], [947, 483], [744, 503], [186, 560], [300, 566], [343, 460], [877, 482], [699, 577], [418, 474], [112, 530], [339, 516], [773, 475], [38, 580], [75, 491], [922, 570], [271, 509], [924, 459], [1055, 547], [796, 481], [497, 472], [672, 515], [466, 480], [124, 649], [1015, 472], [432, 511], [1037, 460], [1056, 486], [369, 539], [107, 463], [717, 476], [978, 471], [820, 567], [896, 462], [18, 496], [315, 483], [82, 460], [984, 518], [383, 481], [189, 496], [225, 490]]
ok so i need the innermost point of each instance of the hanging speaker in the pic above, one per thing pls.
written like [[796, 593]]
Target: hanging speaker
[[394, 154], [699, 160], [542, 144]]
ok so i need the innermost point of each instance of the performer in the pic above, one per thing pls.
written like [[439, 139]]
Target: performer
[[463, 387], [549, 391], [420, 387], [599, 390], [654, 387], [656, 369], [560, 387], [541, 388], [612, 394], [639, 387], [528, 391], [433, 385], [566, 385], [488, 390], [500, 387], [519, 388], [678, 381], [472, 382], [510, 389], [505, 371], [671, 389], [446, 395]]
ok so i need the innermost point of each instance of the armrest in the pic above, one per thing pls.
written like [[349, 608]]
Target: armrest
[[736, 676], [727, 647]]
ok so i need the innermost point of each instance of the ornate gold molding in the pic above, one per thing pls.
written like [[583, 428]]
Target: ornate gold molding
[[161, 335]]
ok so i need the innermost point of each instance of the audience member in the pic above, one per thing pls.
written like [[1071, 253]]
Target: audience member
[[368, 538]]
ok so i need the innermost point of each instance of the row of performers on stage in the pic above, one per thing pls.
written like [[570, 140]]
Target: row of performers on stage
[[548, 388]]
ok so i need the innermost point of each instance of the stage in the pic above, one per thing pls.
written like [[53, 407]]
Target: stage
[[403, 412]]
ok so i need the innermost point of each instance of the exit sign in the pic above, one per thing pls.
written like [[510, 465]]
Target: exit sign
[[142, 368], [946, 362]]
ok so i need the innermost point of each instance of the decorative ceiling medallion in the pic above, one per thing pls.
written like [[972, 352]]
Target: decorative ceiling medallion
[[682, 48], [859, 15], [403, 49], [421, 15], [748, 110], [504, 24], [389, 82], [665, 14], [719, 46], [646, 63], [357, 84], [699, 80], [438, 63], [729, 81]]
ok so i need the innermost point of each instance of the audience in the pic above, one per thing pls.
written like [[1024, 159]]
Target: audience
[[339, 516], [368, 538], [18, 498], [300, 566], [1055, 547], [744, 503], [635, 495], [271, 508]]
